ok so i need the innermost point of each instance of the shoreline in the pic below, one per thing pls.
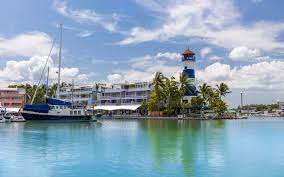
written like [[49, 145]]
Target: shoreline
[[164, 118]]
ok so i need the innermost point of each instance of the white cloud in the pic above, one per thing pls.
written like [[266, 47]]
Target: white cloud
[[244, 53], [215, 58], [169, 55], [260, 76], [85, 33], [205, 51], [108, 22], [115, 78], [144, 68], [215, 21], [27, 44], [30, 70]]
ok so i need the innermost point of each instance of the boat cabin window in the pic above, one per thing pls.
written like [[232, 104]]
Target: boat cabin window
[[79, 112], [75, 112]]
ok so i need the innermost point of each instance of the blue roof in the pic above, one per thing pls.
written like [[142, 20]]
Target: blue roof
[[42, 107], [53, 101]]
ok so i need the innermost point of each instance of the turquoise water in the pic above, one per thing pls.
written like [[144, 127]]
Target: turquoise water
[[235, 148]]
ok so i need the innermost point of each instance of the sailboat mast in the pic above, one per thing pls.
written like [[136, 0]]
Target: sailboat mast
[[59, 64], [47, 78]]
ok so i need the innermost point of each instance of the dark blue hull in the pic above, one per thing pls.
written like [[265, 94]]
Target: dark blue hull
[[40, 117]]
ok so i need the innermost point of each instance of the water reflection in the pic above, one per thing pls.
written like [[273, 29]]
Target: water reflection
[[143, 148], [184, 142], [40, 149]]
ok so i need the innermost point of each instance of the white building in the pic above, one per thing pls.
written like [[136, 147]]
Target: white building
[[125, 94], [85, 94], [281, 105]]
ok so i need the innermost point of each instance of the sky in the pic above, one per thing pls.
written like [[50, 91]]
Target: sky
[[238, 42]]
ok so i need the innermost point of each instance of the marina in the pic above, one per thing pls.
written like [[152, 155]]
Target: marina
[[142, 88], [143, 148]]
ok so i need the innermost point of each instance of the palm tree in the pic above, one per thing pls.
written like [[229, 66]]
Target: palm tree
[[158, 84], [223, 90], [204, 89], [183, 82], [212, 95], [52, 90]]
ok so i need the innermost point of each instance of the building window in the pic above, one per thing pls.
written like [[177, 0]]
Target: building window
[[79, 112], [75, 112]]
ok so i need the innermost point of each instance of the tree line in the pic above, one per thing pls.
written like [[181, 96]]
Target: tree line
[[167, 96], [41, 92]]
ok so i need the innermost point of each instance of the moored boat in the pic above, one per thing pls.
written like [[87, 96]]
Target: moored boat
[[55, 110]]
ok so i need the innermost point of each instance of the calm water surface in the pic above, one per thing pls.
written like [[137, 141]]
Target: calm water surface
[[237, 148]]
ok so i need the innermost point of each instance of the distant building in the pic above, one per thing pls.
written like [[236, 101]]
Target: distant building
[[125, 94], [281, 105], [85, 94], [12, 97]]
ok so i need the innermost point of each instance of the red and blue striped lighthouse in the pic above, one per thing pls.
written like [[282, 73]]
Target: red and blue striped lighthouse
[[188, 61]]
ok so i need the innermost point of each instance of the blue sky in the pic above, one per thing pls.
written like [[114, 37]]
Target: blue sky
[[239, 42]]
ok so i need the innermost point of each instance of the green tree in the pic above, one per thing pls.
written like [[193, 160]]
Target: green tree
[[219, 106], [222, 90], [172, 96], [183, 82], [52, 90], [153, 102], [204, 89], [274, 106], [196, 104], [144, 107], [158, 84], [212, 96]]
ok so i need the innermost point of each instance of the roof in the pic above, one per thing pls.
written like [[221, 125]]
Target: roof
[[114, 107], [188, 52], [12, 109], [54, 101]]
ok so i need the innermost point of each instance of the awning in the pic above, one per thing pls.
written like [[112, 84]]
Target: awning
[[12, 109], [113, 107]]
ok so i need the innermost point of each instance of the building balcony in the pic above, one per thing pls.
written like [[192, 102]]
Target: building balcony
[[123, 97], [116, 104], [126, 90]]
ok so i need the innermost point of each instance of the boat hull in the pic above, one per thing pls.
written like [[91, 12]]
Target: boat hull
[[47, 117]]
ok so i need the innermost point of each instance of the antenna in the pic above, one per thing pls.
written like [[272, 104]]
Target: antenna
[[59, 63]]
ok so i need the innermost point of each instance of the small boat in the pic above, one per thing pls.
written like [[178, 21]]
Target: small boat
[[17, 117], [8, 116]]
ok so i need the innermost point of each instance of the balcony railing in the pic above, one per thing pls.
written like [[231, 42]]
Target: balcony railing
[[126, 90], [117, 104], [123, 97]]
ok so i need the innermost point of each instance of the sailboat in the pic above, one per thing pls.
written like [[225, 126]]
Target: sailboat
[[55, 109]]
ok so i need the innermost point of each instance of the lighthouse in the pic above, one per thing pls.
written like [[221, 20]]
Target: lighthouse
[[188, 61]]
